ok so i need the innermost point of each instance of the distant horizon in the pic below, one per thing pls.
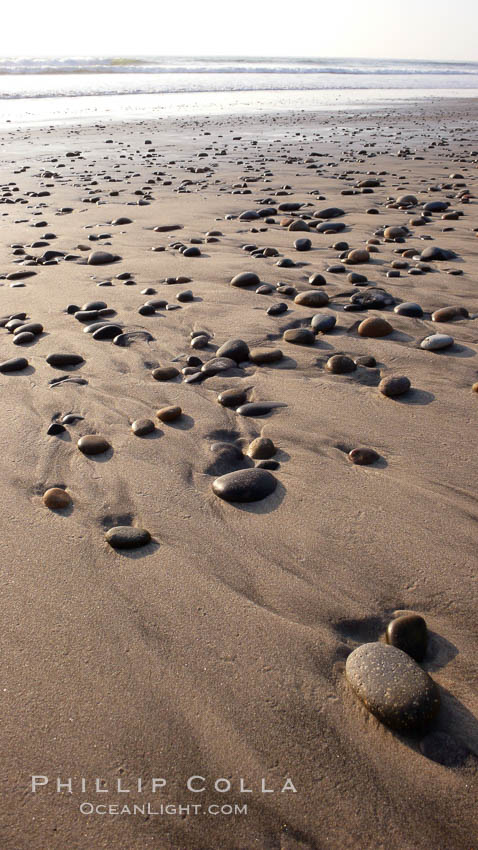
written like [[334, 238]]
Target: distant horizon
[[120, 54]]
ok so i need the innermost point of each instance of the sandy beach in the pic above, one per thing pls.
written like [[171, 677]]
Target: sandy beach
[[215, 654]]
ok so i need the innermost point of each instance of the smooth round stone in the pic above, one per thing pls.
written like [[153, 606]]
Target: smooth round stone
[[246, 279], [261, 448], [322, 324], [127, 537], [436, 342], [64, 359], [394, 232], [245, 485], [146, 310], [169, 413], [199, 342], [394, 385], [140, 427], [263, 356], [366, 360], [31, 327], [363, 457], [329, 212], [165, 373], [330, 227], [101, 258], [340, 364], [374, 327], [303, 244], [409, 308], [277, 309], [217, 365], [358, 255], [392, 686], [257, 408], [93, 444], [55, 428], [299, 336], [410, 634], [357, 278], [107, 332], [317, 279], [436, 253], [15, 364], [94, 305], [23, 338], [121, 220], [235, 349], [185, 295], [449, 314], [56, 499], [232, 398], [312, 298], [193, 251]]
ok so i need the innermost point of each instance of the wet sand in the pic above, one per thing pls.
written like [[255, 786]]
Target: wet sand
[[218, 649]]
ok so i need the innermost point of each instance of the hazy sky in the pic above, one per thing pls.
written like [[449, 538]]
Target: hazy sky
[[407, 29]]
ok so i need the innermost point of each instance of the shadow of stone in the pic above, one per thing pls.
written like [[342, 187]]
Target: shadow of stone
[[264, 506]]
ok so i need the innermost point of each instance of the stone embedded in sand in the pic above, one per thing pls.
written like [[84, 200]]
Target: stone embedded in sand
[[31, 327], [436, 206], [140, 427], [395, 232], [23, 338], [436, 342], [277, 309], [330, 227], [298, 225], [235, 349], [329, 212], [303, 244], [216, 365], [317, 279], [340, 364], [64, 359], [245, 485], [263, 356], [409, 308], [394, 385], [169, 413], [165, 373], [101, 258], [246, 279], [449, 314], [406, 201], [366, 360], [121, 220], [374, 327], [232, 398], [261, 448], [436, 253], [410, 634], [358, 255], [258, 408], [227, 458], [312, 298], [322, 324], [15, 364], [106, 331], [392, 686], [127, 537], [93, 444], [363, 457], [56, 499], [299, 336]]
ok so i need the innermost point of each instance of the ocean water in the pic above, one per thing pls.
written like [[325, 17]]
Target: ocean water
[[78, 89]]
